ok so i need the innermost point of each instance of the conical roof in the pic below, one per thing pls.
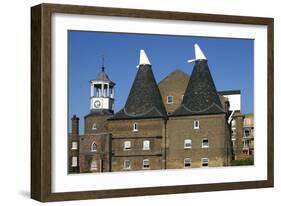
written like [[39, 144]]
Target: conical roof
[[144, 100], [200, 96]]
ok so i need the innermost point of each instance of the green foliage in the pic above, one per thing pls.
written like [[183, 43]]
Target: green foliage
[[241, 162]]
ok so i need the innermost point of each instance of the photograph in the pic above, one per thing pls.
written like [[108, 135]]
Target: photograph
[[141, 102]]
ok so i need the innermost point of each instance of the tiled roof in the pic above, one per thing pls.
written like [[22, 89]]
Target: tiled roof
[[144, 100], [201, 96]]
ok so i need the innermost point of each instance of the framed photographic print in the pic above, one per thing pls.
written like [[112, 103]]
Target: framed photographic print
[[130, 102]]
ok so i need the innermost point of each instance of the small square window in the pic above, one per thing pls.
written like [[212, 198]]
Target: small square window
[[187, 162], [74, 145], [127, 164], [127, 145], [196, 124], [187, 143], [74, 161], [135, 127], [205, 143], [170, 99], [146, 164], [205, 162], [146, 145]]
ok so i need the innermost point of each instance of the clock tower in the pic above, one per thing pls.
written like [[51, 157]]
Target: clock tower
[[102, 92]]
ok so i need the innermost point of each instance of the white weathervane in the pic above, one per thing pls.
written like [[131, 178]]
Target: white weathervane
[[143, 59], [199, 55]]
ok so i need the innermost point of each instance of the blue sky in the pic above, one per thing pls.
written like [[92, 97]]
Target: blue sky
[[231, 62]]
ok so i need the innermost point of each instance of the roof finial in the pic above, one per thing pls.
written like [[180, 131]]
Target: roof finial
[[199, 55], [143, 58], [102, 67]]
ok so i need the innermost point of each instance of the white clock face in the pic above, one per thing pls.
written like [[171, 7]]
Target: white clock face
[[97, 104]]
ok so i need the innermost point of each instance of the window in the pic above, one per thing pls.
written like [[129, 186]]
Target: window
[[94, 126], [170, 99], [205, 162], [135, 127], [145, 163], [94, 165], [182, 97], [233, 123], [247, 133], [127, 164], [127, 145], [187, 143], [94, 147], [196, 124], [205, 143], [187, 162], [74, 145], [146, 145], [74, 161]]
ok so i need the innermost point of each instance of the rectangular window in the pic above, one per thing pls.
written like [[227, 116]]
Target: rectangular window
[[127, 145], [74, 145], [170, 99], [94, 126], [74, 162], [187, 162], [205, 162], [205, 143], [135, 127], [187, 143], [127, 164], [146, 163], [146, 145], [196, 124]]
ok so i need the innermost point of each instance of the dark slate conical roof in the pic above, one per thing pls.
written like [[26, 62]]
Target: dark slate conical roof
[[200, 96], [144, 100]]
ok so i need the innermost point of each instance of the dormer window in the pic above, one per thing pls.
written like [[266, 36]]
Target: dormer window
[[135, 127], [170, 99], [196, 124]]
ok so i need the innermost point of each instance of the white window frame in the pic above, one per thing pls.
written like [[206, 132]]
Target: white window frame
[[187, 160], [135, 127], [125, 165], [94, 126], [127, 145], [94, 168], [170, 96], [74, 161], [145, 162], [146, 145], [205, 146], [202, 161], [195, 126], [74, 145], [187, 141], [92, 147]]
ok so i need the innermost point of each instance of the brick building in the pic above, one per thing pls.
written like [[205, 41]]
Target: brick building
[[181, 122]]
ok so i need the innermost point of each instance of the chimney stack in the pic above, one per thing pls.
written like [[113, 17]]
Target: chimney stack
[[75, 125]]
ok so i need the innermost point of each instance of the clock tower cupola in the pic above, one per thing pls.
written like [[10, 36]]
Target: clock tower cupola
[[102, 92]]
